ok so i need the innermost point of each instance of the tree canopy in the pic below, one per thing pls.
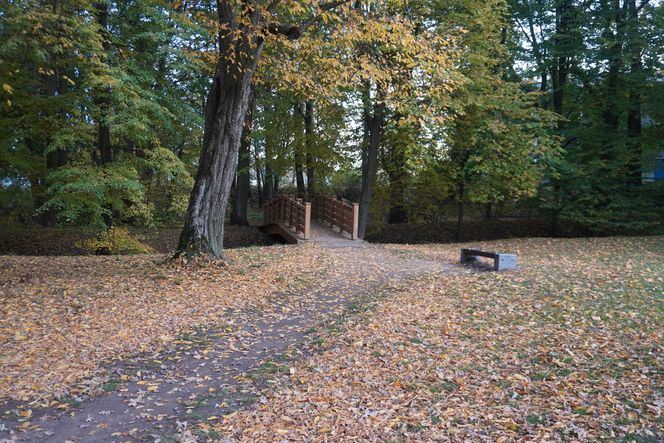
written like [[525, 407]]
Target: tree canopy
[[158, 112]]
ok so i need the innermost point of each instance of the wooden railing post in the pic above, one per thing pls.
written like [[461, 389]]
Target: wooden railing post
[[356, 221], [307, 221], [290, 212]]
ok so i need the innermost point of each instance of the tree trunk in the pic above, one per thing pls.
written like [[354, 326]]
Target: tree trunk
[[225, 109], [488, 211], [268, 178], [613, 34], [299, 172], [299, 158], [310, 145], [397, 174], [636, 78], [268, 182], [561, 52], [101, 99], [259, 176], [58, 157], [393, 161], [375, 129], [460, 209], [243, 182]]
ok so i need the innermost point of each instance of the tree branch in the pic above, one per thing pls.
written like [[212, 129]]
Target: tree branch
[[294, 32]]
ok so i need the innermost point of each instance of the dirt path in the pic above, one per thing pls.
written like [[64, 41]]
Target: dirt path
[[214, 372]]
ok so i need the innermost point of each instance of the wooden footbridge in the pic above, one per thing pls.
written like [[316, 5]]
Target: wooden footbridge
[[295, 220]]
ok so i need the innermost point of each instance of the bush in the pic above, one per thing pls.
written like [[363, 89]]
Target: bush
[[93, 195], [116, 240]]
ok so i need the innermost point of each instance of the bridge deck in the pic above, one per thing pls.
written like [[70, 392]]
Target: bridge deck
[[323, 235]]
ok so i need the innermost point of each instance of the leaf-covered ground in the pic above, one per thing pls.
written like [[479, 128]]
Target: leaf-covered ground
[[569, 347], [61, 316]]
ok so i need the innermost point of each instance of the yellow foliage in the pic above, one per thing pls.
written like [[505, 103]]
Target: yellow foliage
[[115, 240]]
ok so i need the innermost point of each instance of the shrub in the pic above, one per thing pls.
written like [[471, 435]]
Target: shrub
[[116, 240], [94, 195]]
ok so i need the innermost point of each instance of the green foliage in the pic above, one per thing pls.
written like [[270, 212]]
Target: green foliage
[[168, 183], [113, 241], [66, 74], [599, 65], [478, 96], [95, 195], [346, 184]]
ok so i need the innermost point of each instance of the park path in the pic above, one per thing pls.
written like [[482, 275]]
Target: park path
[[215, 372]]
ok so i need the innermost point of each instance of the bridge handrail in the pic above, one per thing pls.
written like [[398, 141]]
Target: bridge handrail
[[340, 213], [290, 211]]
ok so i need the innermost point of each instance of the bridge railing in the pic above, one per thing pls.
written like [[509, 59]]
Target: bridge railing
[[339, 213], [290, 211]]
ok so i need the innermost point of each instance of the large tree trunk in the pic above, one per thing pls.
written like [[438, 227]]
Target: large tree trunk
[[375, 129], [310, 145], [243, 183], [225, 109]]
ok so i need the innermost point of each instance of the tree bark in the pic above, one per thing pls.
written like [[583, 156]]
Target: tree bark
[[375, 129], [268, 182], [460, 208], [310, 145], [225, 109], [259, 176], [243, 183], [299, 155]]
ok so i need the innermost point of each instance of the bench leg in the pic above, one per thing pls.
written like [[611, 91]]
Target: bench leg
[[504, 261], [465, 257]]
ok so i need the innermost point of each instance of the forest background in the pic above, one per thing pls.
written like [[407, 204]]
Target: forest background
[[427, 112]]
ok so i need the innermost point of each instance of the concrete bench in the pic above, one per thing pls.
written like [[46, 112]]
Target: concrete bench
[[500, 261]]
